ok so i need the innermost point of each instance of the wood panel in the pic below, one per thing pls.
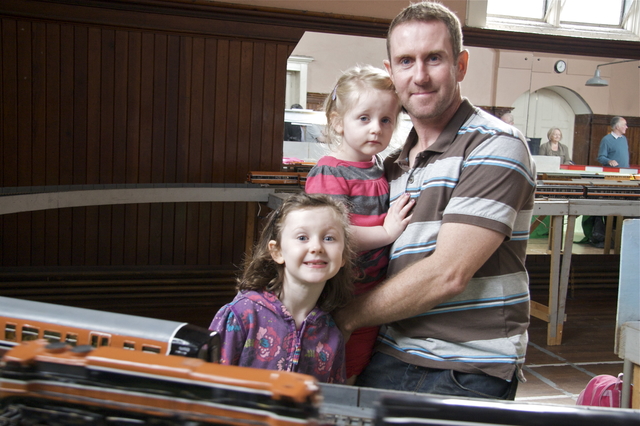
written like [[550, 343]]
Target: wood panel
[[91, 103]]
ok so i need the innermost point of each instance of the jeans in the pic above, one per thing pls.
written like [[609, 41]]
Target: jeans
[[387, 372]]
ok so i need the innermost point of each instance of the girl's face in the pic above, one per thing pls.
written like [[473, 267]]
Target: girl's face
[[367, 127], [311, 247]]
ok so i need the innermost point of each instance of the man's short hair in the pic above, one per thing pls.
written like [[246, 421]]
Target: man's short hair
[[615, 121], [427, 11]]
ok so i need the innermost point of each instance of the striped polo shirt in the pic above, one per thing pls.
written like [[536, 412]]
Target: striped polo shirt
[[363, 186], [478, 172]]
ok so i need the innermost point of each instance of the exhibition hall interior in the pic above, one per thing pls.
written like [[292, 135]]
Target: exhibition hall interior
[[144, 144]]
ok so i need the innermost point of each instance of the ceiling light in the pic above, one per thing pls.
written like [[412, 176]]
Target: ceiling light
[[596, 81]]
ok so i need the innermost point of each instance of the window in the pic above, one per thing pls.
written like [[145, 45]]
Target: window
[[10, 332], [99, 340], [151, 349], [71, 339], [129, 345], [611, 19], [52, 336], [29, 333]]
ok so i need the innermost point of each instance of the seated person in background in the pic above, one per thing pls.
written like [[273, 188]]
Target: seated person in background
[[554, 147], [293, 132]]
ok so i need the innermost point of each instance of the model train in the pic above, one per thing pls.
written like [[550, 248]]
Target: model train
[[87, 385], [589, 189], [25, 320]]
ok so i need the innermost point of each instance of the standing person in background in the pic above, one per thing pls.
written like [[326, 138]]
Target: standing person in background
[[362, 112], [553, 147], [456, 305], [507, 117], [614, 147]]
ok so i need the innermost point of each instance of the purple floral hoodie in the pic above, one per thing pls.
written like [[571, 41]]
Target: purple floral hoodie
[[257, 331]]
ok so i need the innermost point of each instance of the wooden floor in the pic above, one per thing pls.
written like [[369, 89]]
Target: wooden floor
[[557, 374]]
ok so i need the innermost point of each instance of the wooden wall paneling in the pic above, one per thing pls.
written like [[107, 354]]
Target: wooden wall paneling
[[233, 70], [159, 108], [194, 120], [9, 140], [64, 98], [209, 105], [118, 237], [56, 95], [204, 233], [131, 233], [78, 240], [581, 139], [143, 239], [104, 226], [279, 81], [179, 234], [91, 238], [35, 240], [269, 131], [155, 234], [24, 102], [221, 101], [217, 245], [256, 125], [107, 89], [168, 233], [185, 92], [120, 106], [173, 66], [76, 104], [134, 82], [245, 107], [146, 108], [192, 219], [39, 101], [65, 234], [51, 237], [94, 70]]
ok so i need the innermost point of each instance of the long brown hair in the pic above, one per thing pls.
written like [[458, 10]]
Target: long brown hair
[[261, 272]]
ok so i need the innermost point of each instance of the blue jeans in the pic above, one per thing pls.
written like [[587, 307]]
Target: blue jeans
[[387, 372]]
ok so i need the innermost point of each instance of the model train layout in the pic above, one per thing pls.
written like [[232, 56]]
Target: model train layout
[[68, 382], [582, 188]]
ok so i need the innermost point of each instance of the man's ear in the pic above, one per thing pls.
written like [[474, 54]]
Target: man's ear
[[387, 66], [275, 252], [461, 66]]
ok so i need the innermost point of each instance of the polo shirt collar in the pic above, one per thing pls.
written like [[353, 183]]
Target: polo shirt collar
[[446, 138]]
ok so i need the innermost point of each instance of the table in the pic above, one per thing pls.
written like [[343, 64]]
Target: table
[[561, 251]]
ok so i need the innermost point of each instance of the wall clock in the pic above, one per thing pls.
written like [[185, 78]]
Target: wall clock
[[560, 66]]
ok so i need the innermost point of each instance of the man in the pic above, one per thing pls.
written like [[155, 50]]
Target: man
[[456, 304], [508, 118], [614, 147]]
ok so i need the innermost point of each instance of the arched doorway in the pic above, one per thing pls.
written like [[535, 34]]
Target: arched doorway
[[553, 106]]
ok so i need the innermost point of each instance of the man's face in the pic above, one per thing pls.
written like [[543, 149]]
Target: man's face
[[424, 70], [621, 127]]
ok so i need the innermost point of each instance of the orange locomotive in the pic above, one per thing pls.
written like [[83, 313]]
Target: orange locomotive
[[102, 383], [24, 320]]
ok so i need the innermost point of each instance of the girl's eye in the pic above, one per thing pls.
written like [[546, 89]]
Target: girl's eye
[[301, 238], [329, 238], [364, 118], [386, 120]]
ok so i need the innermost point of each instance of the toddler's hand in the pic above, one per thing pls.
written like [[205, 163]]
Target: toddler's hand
[[398, 216]]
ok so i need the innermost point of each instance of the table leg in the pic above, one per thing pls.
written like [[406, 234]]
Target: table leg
[[555, 243]]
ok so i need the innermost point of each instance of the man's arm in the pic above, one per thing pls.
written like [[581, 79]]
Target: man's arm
[[603, 154], [461, 250]]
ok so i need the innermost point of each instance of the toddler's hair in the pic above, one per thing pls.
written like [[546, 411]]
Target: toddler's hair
[[346, 92], [261, 272]]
